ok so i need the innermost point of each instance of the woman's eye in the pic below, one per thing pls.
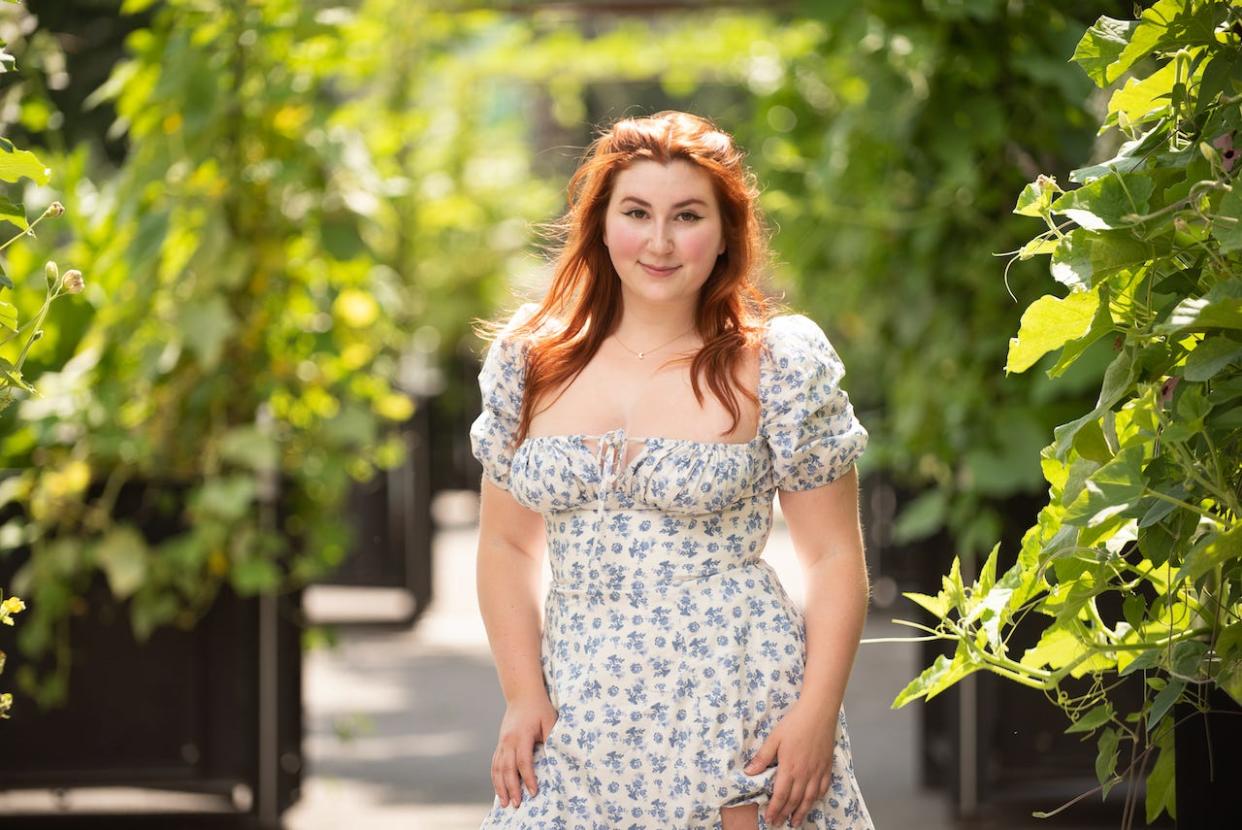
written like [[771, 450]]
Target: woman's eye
[[694, 217]]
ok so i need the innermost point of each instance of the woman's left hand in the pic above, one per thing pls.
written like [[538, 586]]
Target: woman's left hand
[[802, 743]]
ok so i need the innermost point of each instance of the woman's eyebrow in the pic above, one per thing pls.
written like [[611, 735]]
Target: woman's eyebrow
[[679, 204]]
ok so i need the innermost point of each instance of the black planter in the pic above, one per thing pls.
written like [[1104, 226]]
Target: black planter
[[215, 711], [1209, 766], [391, 520]]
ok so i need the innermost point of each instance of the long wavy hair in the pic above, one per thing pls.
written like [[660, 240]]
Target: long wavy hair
[[582, 304]]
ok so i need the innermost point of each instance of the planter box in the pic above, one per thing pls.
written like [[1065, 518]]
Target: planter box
[[392, 525], [215, 711], [1209, 766]]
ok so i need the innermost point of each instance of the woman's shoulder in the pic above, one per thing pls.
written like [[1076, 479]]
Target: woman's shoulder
[[797, 338]]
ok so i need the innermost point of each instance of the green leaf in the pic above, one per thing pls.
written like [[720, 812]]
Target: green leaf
[[1106, 759], [1221, 307], [1229, 677], [1227, 223], [1162, 24], [1161, 782], [1210, 356], [1149, 659], [1036, 197], [206, 325], [1101, 46], [938, 606], [1056, 648], [1139, 100], [8, 316], [1131, 155], [254, 576], [1210, 550], [1164, 701], [952, 587], [123, 555], [1083, 258], [248, 447], [1111, 489], [1118, 378], [228, 497], [937, 677], [1134, 609], [15, 163], [1049, 323], [13, 213], [1093, 720], [921, 517], [1102, 203], [151, 608]]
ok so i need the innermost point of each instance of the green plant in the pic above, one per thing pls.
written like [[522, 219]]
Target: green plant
[[8, 607], [248, 333], [1136, 561], [17, 164]]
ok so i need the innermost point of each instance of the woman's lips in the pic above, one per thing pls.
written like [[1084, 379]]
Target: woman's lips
[[659, 272]]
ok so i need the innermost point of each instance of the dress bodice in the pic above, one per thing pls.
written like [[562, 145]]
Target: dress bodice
[[808, 436]]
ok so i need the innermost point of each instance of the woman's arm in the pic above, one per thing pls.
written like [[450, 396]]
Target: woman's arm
[[512, 543], [826, 532]]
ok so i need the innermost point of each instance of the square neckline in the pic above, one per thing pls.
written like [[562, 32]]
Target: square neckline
[[580, 438]]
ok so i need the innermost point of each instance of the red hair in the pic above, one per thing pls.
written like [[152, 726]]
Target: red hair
[[583, 300]]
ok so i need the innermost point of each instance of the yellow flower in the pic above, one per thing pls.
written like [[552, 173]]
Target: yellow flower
[[11, 606]]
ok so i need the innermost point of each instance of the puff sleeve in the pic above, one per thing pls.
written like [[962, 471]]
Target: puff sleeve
[[502, 380], [809, 422]]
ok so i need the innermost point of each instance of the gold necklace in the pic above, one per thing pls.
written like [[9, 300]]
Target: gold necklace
[[642, 354]]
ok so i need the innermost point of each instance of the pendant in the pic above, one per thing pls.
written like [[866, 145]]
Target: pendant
[[640, 355]]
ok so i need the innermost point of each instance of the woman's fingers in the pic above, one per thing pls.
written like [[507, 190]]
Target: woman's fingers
[[510, 767], [498, 779], [809, 798], [796, 791], [526, 766], [780, 795], [509, 777]]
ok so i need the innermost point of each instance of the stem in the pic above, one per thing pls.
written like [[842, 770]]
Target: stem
[[1192, 508], [29, 231]]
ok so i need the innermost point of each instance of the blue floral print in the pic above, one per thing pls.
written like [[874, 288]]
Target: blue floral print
[[670, 649]]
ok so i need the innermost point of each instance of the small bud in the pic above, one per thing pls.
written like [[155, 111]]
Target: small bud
[[55, 209], [52, 272], [74, 282], [1166, 390], [1224, 146]]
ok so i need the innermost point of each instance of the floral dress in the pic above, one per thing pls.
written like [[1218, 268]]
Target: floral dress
[[670, 649]]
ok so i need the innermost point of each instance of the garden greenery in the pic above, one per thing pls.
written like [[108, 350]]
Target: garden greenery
[[1135, 564], [239, 327], [17, 164]]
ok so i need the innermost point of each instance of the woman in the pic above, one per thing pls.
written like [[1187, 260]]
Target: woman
[[673, 683]]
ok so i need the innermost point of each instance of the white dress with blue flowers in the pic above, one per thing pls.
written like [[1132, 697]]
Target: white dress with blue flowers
[[670, 649]]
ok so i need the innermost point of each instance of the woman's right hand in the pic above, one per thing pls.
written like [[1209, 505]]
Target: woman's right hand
[[526, 722]]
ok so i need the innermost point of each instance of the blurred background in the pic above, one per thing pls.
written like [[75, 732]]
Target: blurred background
[[241, 509]]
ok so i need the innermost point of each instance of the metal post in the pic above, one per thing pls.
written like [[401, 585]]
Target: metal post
[[267, 806]]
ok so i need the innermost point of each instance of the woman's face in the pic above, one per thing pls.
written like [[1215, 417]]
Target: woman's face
[[663, 230]]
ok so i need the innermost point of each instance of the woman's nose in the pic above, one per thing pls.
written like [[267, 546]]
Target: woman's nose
[[661, 238]]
